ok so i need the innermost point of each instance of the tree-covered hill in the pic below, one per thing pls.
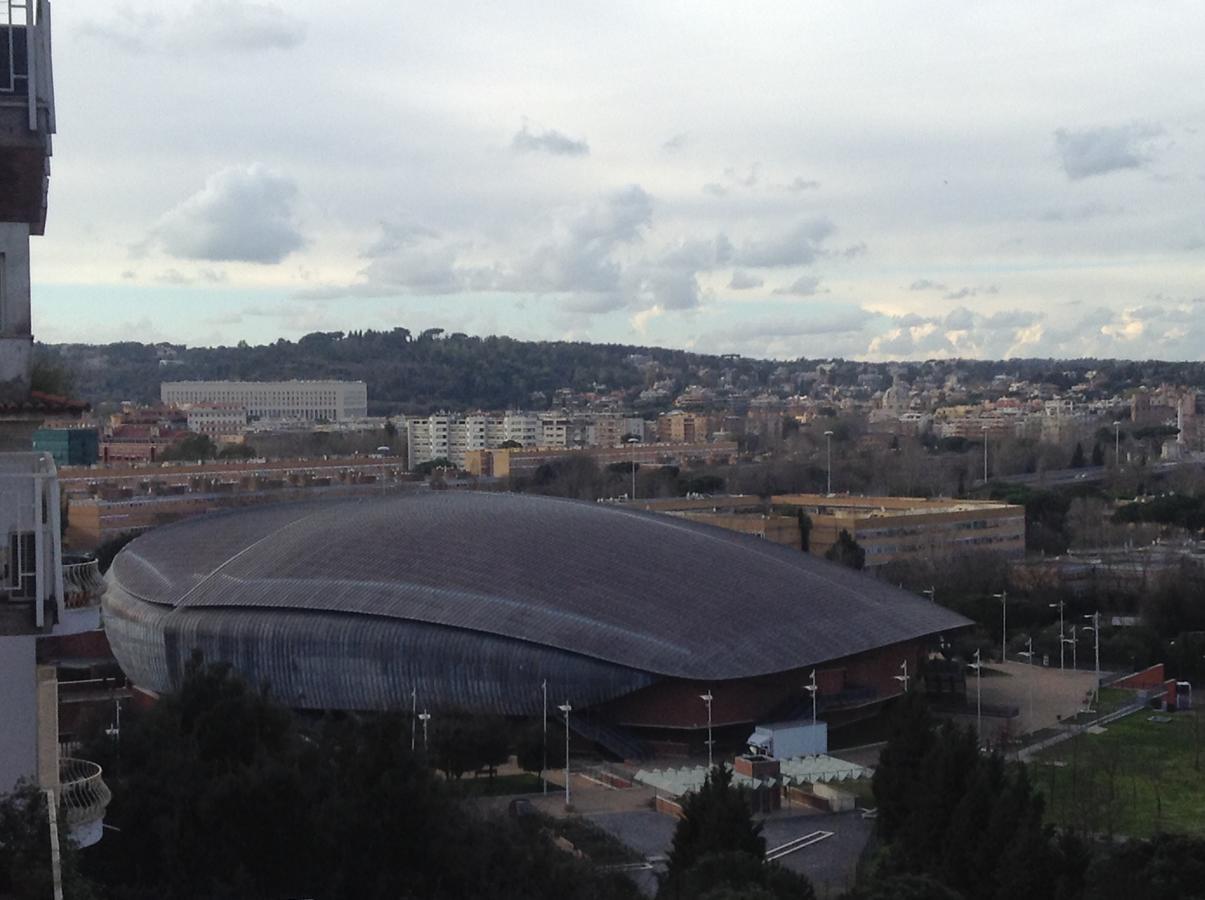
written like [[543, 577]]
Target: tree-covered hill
[[405, 373]]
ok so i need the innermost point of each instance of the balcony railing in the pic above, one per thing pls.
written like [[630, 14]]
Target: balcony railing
[[84, 797], [83, 584]]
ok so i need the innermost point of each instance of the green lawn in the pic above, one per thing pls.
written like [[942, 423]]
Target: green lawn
[[1137, 778]]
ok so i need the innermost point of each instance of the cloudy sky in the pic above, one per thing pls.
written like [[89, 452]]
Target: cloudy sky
[[872, 180]]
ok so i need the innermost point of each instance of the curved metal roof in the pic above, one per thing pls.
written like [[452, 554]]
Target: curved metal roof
[[640, 590]]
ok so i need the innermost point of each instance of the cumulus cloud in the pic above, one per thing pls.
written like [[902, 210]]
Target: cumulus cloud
[[743, 281], [223, 26], [715, 189], [804, 286], [243, 214], [1098, 151], [549, 141], [799, 246]]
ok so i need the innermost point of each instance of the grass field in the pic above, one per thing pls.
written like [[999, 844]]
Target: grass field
[[1138, 777]]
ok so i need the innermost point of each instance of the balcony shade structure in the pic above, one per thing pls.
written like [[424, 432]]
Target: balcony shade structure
[[472, 599], [84, 797]]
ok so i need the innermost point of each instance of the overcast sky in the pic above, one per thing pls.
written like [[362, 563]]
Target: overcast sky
[[872, 180]]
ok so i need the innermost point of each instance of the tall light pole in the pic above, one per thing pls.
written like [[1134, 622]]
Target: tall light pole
[[1028, 651], [828, 441], [978, 667], [1062, 664], [632, 441], [985, 454], [1117, 444], [812, 688], [566, 709], [544, 764], [424, 717], [707, 698], [413, 715], [1095, 629], [903, 678], [1074, 643], [1003, 598]]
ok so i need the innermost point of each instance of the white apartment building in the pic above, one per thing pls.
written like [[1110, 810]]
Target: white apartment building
[[312, 401], [450, 435], [213, 418]]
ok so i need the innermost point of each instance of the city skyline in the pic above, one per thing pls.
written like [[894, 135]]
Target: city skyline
[[823, 181]]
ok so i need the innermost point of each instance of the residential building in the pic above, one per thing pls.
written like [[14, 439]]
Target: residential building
[[105, 503], [312, 401], [522, 461], [901, 528], [216, 418], [42, 600]]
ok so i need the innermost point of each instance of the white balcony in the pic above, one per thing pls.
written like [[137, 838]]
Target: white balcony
[[83, 798], [83, 586]]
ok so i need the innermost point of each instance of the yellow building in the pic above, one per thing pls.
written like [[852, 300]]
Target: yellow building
[[895, 528], [887, 528]]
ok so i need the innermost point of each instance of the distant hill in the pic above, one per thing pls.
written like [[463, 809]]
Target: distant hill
[[420, 373], [405, 373]]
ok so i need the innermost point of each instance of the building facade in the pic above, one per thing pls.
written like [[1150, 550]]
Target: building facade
[[311, 401]]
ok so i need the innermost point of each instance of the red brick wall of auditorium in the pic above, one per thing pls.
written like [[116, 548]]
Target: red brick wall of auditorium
[[675, 703]]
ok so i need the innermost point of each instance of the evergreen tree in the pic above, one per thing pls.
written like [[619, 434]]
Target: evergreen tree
[[846, 551], [898, 777], [1098, 454], [1077, 456], [716, 819]]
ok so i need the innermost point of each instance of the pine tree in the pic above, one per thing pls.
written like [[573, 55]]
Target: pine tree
[[898, 775]]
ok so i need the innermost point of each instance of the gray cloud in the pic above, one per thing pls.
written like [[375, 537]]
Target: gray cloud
[[743, 281], [800, 246], [550, 141], [924, 284], [804, 286], [960, 319], [676, 143], [243, 213], [799, 183], [748, 179], [395, 235], [1081, 213], [1097, 151], [223, 26], [715, 189]]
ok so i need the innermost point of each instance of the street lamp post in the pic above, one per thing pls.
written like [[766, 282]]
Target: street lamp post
[[1117, 444], [413, 715], [707, 698], [931, 593], [1095, 629], [828, 440], [566, 709], [1059, 605], [544, 764], [985, 454], [903, 678], [978, 667], [424, 717], [812, 688], [1003, 598], [632, 441], [1074, 643]]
